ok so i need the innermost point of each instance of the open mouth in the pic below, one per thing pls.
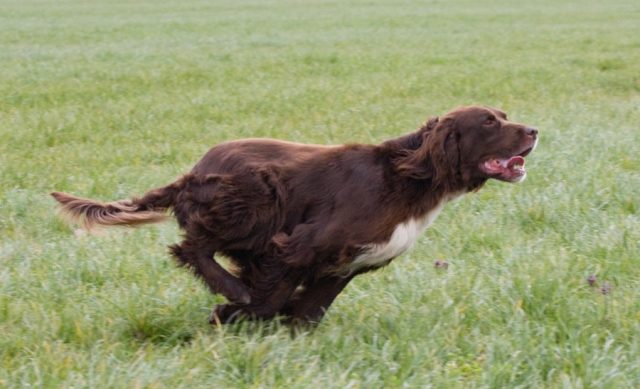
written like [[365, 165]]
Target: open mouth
[[509, 169]]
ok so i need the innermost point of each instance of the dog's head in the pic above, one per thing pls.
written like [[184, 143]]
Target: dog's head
[[469, 145]]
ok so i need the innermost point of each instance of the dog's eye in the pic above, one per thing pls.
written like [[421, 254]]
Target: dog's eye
[[490, 121]]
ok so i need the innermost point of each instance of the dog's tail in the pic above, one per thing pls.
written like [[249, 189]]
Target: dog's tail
[[150, 208]]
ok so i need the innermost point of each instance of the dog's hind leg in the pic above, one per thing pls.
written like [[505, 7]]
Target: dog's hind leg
[[272, 285], [199, 257]]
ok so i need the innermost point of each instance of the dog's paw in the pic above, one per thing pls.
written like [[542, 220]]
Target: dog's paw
[[237, 292], [225, 314], [231, 313], [242, 297]]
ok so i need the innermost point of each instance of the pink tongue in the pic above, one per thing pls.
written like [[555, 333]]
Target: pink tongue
[[517, 160]]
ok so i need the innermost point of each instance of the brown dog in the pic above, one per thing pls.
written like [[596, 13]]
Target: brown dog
[[300, 221]]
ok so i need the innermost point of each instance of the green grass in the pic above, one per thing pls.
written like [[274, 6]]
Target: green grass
[[109, 99]]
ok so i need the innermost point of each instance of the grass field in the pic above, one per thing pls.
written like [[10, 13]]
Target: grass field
[[109, 99]]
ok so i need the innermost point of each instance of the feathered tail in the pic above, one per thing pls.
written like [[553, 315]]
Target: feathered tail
[[149, 209]]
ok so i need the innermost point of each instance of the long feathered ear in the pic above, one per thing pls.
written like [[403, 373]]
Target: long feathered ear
[[437, 158], [445, 154], [414, 163]]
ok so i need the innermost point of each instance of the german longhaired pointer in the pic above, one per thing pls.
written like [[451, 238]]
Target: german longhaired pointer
[[299, 221]]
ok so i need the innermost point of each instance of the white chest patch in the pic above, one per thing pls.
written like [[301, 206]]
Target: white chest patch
[[403, 237]]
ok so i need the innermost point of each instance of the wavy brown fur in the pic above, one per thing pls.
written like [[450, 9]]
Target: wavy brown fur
[[90, 213]]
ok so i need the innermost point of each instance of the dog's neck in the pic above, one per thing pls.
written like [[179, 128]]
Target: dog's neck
[[409, 143]]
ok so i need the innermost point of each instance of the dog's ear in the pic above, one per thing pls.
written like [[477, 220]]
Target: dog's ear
[[444, 152], [437, 158]]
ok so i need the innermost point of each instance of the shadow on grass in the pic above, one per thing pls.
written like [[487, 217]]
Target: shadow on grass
[[167, 331]]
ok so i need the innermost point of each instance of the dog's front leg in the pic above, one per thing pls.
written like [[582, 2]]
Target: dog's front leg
[[310, 304]]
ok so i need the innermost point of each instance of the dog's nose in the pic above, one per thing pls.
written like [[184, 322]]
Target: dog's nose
[[531, 131]]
